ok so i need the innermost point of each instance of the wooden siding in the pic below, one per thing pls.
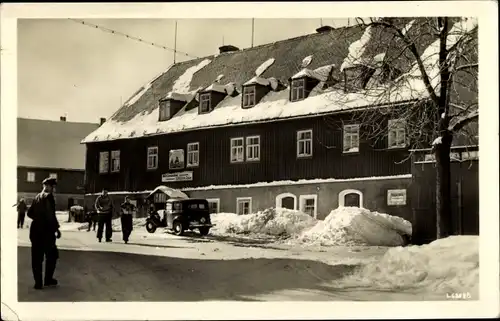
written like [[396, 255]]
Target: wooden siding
[[68, 181], [278, 159]]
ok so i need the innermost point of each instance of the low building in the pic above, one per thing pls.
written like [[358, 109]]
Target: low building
[[52, 148]]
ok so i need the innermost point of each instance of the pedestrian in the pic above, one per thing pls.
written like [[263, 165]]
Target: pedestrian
[[21, 212], [44, 231], [104, 208], [128, 210]]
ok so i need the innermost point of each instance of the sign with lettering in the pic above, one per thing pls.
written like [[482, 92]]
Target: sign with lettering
[[176, 159], [396, 197], [177, 177]]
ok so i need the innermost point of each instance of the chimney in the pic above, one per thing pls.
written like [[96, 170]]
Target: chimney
[[228, 48], [102, 121], [324, 29], [62, 118]]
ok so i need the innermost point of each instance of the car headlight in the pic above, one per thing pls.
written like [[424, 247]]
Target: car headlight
[[202, 220]]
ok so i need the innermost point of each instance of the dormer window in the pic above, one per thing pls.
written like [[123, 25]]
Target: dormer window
[[298, 89], [248, 96], [205, 103], [164, 110]]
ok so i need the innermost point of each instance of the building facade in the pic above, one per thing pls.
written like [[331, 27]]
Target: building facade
[[52, 148], [278, 125]]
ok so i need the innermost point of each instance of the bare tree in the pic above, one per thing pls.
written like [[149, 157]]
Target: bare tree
[[422, 75]]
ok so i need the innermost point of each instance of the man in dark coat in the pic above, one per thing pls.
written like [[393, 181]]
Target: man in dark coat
[[128, 210], [43, 233], [104, 208], [21, 212]]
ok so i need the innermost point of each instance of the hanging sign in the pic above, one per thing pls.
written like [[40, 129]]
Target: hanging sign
[[176, 159]]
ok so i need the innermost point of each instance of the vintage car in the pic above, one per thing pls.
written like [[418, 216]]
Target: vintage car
[[181, 215]]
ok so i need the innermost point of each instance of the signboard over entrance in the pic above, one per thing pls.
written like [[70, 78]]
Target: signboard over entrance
[[177, 177]]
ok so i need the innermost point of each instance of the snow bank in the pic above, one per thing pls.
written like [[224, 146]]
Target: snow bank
[[357, 226], [274, 222], [449, 265]]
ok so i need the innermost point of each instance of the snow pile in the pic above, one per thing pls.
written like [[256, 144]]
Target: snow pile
[[320, 73], [183, 83], [356, 50], [306, 61], [449, 265], [357, 226], [263, 67], [136, 222], [257, 80], [274, 222]]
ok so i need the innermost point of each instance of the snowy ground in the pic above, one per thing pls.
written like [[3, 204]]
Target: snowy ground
[[248, 266]]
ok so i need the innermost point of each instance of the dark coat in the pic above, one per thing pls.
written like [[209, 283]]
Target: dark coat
[[127, 208], [43, 214], [22, 207], [103, 204]]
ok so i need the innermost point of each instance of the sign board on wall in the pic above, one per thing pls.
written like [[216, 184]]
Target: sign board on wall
[[396, 197], [177, 177], [176, 159]]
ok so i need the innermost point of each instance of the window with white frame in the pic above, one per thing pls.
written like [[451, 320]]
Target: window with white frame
[[152, 157], [243, 205], [205, 103], [351, 138], [115, 161], [308, 204], [298, 89], [30, 177], [213, 205], [253, 148], [397, 133], [193, 154], [237, 150], [103, 162], [53, 175], [248, 96], [304, 143]]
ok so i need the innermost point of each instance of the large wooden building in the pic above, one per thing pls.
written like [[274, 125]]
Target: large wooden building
[[271, 126], [52, 148]]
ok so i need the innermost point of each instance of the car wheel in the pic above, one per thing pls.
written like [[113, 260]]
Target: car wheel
[[178, 228], [204, 230], [150, 227]]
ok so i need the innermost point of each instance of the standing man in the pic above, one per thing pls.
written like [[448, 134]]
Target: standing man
[[43, 233], [128, 210], [104, 208], [21, 212]]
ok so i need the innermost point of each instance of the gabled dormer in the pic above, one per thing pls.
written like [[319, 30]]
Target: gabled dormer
[[170, 105], [211, 97], [303, 82], [254, 90]]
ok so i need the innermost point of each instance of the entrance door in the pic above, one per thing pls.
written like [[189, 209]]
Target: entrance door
[[351, 199], [288, 202]]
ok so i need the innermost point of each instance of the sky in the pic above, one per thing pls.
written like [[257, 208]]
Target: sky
[[66, 68]]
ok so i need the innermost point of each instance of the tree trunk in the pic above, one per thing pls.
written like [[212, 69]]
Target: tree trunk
[[443, 187]]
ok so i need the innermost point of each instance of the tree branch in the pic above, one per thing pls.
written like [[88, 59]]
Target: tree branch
[[460, 122], [468, 66]]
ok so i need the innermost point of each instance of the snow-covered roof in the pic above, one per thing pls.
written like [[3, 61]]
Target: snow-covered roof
[[170, 192], [178, 97], [269, 64]]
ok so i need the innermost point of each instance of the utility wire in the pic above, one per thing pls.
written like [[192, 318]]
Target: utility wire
[[114, 32]]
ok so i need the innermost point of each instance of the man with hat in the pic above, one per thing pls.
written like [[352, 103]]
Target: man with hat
[[43, 233]]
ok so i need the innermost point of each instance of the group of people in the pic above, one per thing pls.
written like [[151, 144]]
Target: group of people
[[45, 228], [104, 209]]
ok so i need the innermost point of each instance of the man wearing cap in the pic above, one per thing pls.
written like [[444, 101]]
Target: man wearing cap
[[43, 233], [104, 208]]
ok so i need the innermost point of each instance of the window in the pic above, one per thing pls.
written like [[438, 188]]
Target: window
[[397, 133], [103, 162], [304, 143], [308, 204], [153, 157], [351, 198], [115, 161], [193, 154], [205, 103], [243, 205], [213, 205], [160, 198], [237, 150], [30, 177], [53, 175], [298, 90], [164, 110], [351, 138], [286, 200], [248, 96], [253, 148]]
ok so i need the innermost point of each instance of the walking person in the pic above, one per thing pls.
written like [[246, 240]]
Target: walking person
[[104, 208], [128, 210], [43, 233], [21, 212]]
